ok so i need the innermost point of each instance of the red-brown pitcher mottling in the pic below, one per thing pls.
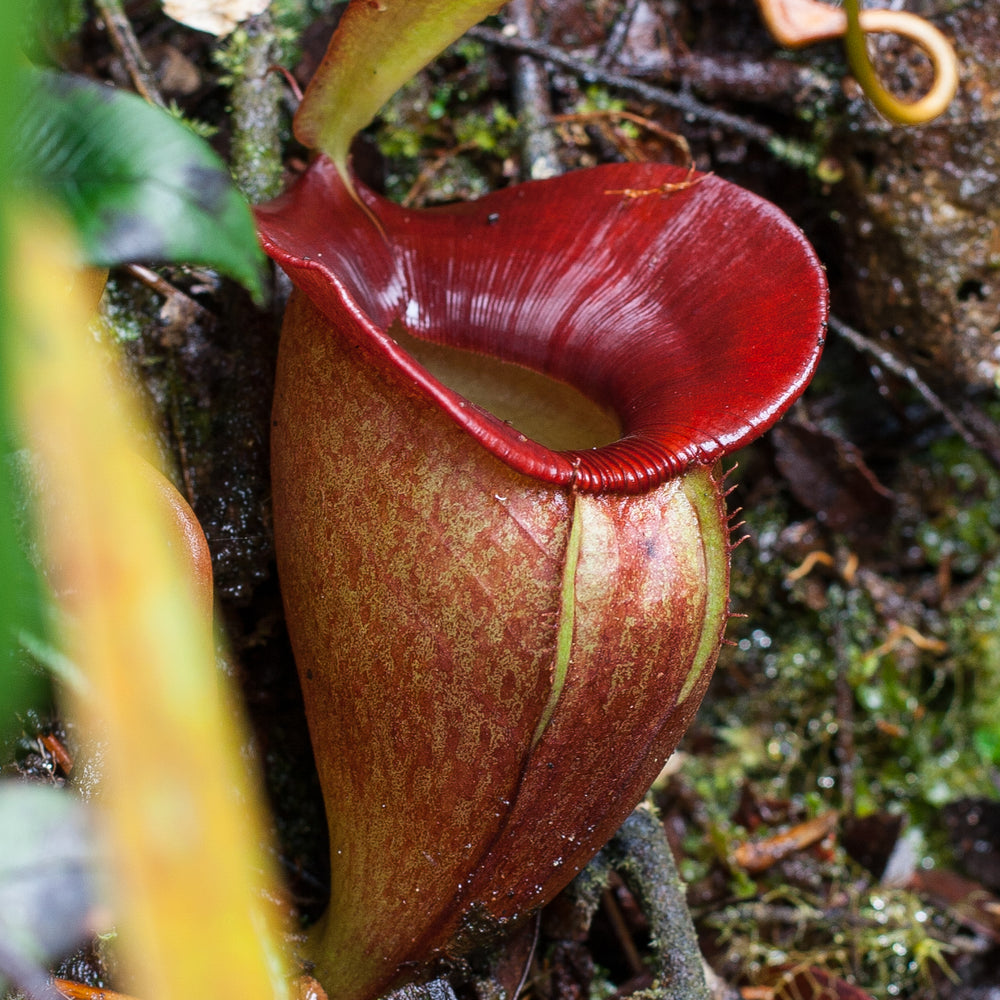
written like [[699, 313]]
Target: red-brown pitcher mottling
[[502, 636]]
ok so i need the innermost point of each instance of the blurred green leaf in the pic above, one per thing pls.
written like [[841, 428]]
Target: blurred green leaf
[[47, 29], [137, 184], [21, 601], [20, 595]]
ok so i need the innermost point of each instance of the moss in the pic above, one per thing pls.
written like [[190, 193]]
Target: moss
[[490, 132], [922, 717], [964, 526], [445, 129], [822, 665], [889, 933], [288, 20], [126, 308], [200, 128], [975, 629], [258, 126], [794, 153]]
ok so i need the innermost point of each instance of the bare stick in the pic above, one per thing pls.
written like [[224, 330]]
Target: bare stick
[[685, 103], [615, 41], [532, 101], [127, 46], [256, 118], [641, 854], [907, 372]]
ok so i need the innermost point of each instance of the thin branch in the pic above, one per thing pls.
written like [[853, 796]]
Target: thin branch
[[127, 46], [908, 373], [689, 106], [256, 117], [161, 286], [618, 34], [532, 101], [613, 114], [621, 930], [427, 173], [522, 982], [640, 852]]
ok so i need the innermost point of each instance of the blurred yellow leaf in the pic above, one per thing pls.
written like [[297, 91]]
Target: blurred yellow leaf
[[128, 563]]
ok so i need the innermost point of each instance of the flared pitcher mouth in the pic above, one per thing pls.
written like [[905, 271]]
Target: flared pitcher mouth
[[688, 307]]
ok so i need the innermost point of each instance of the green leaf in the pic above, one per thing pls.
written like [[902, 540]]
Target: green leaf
[[20, 594], [22, 609], [377, 47], [137, 184]]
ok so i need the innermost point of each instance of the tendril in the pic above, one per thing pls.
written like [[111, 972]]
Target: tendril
[[801, 22]]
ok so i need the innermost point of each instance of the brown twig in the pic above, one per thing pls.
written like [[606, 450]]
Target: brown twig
[[618, 34], [909, 374], [907, 633], [642, 855], [740, 78], [426, 175], [682, 102], [621, 930], [293, 84], [614, 114], [127, 46], [161, 286], [532, 101], [759, 855]]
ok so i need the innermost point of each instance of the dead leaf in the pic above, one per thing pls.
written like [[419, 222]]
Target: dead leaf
[[817, 984], [757, 856], [828, 476], [966, 900]]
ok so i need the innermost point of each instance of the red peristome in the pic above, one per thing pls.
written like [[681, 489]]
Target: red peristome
[[696, 315]]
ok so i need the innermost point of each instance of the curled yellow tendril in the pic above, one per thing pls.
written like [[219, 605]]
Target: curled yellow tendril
[[795, 23]]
